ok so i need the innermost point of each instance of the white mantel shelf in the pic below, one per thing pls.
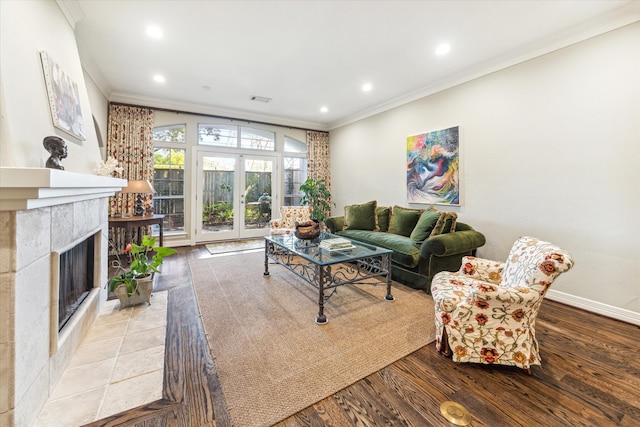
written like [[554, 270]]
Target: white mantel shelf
[[32, 188]]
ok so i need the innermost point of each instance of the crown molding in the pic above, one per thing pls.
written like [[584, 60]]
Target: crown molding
[[72, 11]]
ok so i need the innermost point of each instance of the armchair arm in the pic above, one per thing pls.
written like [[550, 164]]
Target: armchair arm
[[334, 223], [452, 243], [276, 223], [482, 269], [496, 296]]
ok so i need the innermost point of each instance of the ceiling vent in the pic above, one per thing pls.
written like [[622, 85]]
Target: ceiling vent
[[260, 99]]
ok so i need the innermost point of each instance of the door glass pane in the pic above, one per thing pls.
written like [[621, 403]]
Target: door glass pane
[[257, 139], [218, 135], [258, 174], [295, 173], [168, 181], [218, 175]]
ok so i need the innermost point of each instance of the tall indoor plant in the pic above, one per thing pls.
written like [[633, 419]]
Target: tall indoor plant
[[135, 285], [317, 196]]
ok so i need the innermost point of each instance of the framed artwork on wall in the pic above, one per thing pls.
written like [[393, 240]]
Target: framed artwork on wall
[[433, 167], [64, 98]]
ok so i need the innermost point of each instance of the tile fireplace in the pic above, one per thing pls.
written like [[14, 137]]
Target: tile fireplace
[[43, 214]]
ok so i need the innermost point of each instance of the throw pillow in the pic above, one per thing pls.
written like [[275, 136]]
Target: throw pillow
[[292, 214], [403, 220], [446, 222], [425, 225], [383, 212], [361, 217]]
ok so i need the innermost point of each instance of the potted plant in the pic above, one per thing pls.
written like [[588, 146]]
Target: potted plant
[[317, 196], [135, 285]]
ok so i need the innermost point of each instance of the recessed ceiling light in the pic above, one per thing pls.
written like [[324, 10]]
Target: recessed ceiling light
[[324, 109], [443, 49], [158, 78], [367, 87], [154, 32]]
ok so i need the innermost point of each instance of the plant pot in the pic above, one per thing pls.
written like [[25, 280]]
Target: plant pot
[[145, 286]]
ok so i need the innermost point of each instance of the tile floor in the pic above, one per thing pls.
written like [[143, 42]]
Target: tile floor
[[118, 366]]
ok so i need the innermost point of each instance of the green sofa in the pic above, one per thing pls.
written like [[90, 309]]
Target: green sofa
[[417, 255]]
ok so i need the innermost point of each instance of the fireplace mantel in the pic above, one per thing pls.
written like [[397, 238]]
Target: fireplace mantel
[[43, 213], [31, 188]]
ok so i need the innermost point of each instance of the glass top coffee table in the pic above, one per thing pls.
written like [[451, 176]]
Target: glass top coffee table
[[327, 269]]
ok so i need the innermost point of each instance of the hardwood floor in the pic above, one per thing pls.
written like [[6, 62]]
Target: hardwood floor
[[590, 377]]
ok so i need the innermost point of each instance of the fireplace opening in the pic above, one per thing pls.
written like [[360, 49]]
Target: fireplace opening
[[75, 279]]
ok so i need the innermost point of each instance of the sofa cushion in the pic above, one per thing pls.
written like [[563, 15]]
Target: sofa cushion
[[403, 220], [425, 225], [361, 217], [405, 250], [383, 213]]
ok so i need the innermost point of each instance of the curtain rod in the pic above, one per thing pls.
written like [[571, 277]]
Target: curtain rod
[[169, 110]]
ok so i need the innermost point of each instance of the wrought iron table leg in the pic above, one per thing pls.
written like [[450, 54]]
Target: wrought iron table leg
[[387, 260], [321, 319], [266, 258]]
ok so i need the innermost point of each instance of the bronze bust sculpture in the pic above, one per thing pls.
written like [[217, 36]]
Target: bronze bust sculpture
[[58, 150]]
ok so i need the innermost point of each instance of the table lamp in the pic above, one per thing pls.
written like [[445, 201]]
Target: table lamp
[[138, 187]]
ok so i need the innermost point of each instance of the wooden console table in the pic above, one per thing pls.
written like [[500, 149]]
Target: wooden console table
[[132, 222]]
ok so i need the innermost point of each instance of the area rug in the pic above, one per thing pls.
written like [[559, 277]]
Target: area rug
[[273, 360], [234, 246]]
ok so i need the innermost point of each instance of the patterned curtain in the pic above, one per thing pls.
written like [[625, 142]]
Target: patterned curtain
[[318, 156], [130, 142]]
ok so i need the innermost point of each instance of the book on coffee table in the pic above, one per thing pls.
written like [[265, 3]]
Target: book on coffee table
[[336, 244]]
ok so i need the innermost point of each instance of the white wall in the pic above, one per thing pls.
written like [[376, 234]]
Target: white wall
[[26, 28], [100, 107], [549, 148]]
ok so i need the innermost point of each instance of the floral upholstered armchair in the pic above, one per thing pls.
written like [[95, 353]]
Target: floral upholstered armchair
[[289, 215], [486, 312]]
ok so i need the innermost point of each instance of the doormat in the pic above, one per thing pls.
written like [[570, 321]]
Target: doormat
[[235, 246]]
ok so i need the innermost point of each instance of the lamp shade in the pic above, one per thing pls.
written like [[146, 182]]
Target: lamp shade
[[138, 186]]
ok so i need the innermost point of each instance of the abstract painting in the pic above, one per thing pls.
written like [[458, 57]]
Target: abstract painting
[[433, 167], [64, 98]]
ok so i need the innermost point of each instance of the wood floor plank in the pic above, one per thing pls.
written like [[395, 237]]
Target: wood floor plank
[[602, 331], [426, 397], [154, 412], [330, 413], [607, 379], [590, 376], [391, 395], [305, 418], [353, 400]]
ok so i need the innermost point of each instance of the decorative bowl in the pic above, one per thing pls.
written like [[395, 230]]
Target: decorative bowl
[[307, 230]]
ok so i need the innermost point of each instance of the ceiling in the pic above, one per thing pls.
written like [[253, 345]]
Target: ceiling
[[304, 55]]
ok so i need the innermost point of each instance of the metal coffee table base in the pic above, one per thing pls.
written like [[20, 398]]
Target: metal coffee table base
[[327, 277]]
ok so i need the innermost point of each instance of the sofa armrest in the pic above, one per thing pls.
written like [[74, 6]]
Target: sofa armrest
[[334, 223], [452, 243]]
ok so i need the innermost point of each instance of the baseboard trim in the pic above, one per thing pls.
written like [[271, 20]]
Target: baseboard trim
[[595, 307]]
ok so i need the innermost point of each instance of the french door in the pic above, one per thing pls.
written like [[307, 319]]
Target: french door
[[234, 194]]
